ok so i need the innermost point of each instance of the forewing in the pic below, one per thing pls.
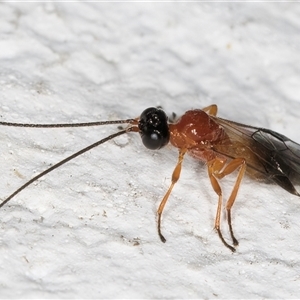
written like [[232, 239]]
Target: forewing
[[268, 154]]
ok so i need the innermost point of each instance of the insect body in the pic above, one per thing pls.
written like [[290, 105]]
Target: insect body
[[224, 146]]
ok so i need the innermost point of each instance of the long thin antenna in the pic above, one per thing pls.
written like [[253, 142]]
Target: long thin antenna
[[129, 121], [68, 159]]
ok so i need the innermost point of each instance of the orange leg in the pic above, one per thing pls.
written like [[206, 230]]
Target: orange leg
[[218, 170], [211, 109], [175, 177]]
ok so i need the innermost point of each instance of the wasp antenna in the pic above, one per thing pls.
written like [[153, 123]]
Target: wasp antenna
[[35, 178], [99, 123]]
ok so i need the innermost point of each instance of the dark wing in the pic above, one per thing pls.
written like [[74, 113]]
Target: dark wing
[[269, 155]]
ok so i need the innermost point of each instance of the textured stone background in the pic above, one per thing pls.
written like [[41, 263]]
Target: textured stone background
[[88, 229]]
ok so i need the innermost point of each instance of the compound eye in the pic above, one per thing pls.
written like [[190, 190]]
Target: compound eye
[[153, 141], [154, 129]]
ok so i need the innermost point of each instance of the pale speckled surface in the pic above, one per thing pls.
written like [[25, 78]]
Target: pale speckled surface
[[74, 233]]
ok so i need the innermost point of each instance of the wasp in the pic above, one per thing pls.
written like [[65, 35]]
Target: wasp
[[225, 147]]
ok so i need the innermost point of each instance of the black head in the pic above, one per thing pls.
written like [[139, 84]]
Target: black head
[[154, 129]]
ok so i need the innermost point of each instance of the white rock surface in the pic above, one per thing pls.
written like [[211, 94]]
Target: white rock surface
[[88, 229]]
